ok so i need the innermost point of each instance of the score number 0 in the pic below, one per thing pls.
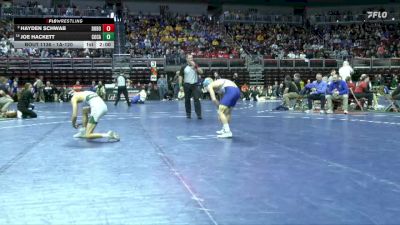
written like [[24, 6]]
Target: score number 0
[[108, 27]]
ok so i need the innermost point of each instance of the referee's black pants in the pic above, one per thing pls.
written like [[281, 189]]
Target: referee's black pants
[[192, 90], [124, 91]]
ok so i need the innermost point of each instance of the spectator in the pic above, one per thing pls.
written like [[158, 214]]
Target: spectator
[[93, 87], [281, 89], [128, 83], [333, 72], [216, 76], [39, 87], [345, 70], [350, 84], [395, 95], [63, 93], [337, 90], [48, 92], [379, 81], [275, 89], [246, 92], [254, 93], [235, 78], [297, 81], [269, 92], [101, 90], [290, 92], [175, 84], [394, 83], [363, 91], [77, 87], [318, 90], [24, 104], [162, 86]]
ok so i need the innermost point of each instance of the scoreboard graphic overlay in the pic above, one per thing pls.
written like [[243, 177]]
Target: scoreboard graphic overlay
[[64, 33]]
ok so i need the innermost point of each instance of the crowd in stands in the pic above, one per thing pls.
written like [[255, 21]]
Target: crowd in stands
[[376, 40], [252, 15], [172, 36], [151, 36], [273, 41]]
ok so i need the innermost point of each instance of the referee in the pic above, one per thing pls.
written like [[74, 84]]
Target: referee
[[121, 83], [189, 76]]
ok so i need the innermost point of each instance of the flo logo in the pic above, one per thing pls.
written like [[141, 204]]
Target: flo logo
[[377, 15]]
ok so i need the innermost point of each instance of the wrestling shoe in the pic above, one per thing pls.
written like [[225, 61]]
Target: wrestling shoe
[[113, 136], [225, 135], [220, 131], [81, 133]]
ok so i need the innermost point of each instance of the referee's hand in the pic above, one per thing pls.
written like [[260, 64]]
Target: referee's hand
[[192, 63]]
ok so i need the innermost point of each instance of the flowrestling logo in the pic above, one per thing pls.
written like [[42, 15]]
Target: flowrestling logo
[[377, 15]]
